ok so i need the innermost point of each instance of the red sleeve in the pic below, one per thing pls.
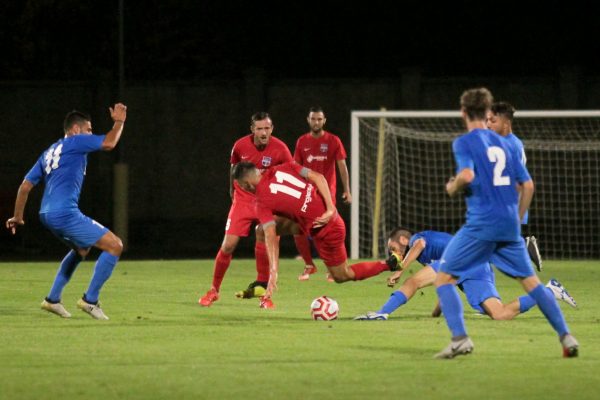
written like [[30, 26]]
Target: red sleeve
[[295, 167], [263, 214], [340, 151], [287, 156], [298, 152], [235, 157]]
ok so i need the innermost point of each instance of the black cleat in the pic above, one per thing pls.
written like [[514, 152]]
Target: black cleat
[[394, 261], [534, 252]]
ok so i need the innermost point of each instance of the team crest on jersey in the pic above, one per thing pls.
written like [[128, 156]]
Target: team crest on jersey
[[266, 161], [324, 147]]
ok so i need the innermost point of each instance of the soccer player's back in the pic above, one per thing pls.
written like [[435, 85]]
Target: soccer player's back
[[488, 171]]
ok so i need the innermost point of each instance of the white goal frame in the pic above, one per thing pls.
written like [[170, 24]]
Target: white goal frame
[[354, 149]]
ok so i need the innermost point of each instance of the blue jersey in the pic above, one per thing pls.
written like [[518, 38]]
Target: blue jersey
[[435, 243], [493, 201], [62, 166], [518, 147]]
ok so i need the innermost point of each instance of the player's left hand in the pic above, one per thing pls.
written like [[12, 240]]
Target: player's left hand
[[324, 219], [347, 197], [393, 278], [12, 224]]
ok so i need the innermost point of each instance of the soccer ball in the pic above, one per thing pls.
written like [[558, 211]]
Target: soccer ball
[[324, 308]]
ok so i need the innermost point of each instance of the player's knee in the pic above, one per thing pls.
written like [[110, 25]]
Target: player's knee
[[260, 234], [116, 246], [83, 253], [228, 248]]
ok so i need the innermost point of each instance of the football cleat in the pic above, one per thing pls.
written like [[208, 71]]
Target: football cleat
[[93, 310], [394, 261], [308, 271], [372, 316], [266, 302], [463, 346], [210, 297], [534, 251], [560, 293], [55, 308], [570, 346], [255, 289]]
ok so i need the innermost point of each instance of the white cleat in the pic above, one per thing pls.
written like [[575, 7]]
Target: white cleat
[[372, 316], [93, 310], [570, 346], [560, 293], [463, 346], [55, 308]]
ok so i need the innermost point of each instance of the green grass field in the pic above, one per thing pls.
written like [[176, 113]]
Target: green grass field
[[160, 344]]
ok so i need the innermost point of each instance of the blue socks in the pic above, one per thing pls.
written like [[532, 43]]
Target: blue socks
[[549, 307], [396, 300], [525, 303], [452, 308], [102, 271], [63, 275]]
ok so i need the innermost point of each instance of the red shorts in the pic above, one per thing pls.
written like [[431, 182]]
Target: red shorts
[[241, 217], [330, 242]]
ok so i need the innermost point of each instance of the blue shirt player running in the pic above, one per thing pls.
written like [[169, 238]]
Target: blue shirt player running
[[500, 120], [490, 170], [62, 168]]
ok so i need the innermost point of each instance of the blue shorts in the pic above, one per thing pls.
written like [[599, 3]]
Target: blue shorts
[[73, 228], [466, 255], [478, 291]]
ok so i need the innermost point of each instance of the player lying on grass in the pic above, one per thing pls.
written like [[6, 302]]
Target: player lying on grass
[[427, 248], [301, 195]]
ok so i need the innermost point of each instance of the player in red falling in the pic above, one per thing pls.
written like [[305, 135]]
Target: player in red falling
[[301, 195], [320, 151], [263, 151]]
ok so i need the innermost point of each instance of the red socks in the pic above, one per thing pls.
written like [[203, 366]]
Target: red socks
[[262, 262], [303, 246], [221, 264], [368, 269]]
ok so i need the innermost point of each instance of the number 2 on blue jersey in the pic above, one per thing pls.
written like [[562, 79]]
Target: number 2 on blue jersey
[[496, 155]]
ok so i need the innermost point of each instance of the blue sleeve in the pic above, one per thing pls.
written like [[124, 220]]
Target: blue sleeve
[[36, 173], [87, 143], [462, 155], [521, 172], [414, 238]]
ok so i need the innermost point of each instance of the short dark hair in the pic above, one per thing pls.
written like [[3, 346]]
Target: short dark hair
[[316, 109], [74, 117], [476, 102], [241, 169], [399, 232], [504, 109], [259, 116]]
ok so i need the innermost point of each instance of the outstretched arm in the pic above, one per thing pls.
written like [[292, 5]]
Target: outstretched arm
[[20, 203], [414, 253], [273, 254], [118, 115], [345, 177]]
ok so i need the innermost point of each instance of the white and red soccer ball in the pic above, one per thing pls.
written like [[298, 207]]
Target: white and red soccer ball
[[324, 308]]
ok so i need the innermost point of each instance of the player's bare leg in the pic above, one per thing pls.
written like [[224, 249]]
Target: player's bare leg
[[303, 247], [363, 270], [222, 262]]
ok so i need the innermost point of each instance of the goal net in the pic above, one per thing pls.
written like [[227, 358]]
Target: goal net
[[402, 160]]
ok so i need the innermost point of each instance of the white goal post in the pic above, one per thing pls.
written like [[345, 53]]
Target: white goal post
[[401, 160]]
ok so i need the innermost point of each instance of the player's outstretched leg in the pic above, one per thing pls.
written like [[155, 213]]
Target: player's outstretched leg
[[222, 262]]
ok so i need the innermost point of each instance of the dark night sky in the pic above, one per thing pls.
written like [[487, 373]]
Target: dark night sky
[[75, 39]]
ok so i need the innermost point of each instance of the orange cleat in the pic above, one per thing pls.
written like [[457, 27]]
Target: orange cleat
[[210, 297], [308, 271], [266, 302]]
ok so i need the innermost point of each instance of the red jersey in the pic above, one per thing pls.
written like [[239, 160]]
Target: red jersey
[[276, 152], [284, 192], [320, 155]]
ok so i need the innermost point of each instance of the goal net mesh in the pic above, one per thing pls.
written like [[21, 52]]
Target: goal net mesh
[[563, 154]]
